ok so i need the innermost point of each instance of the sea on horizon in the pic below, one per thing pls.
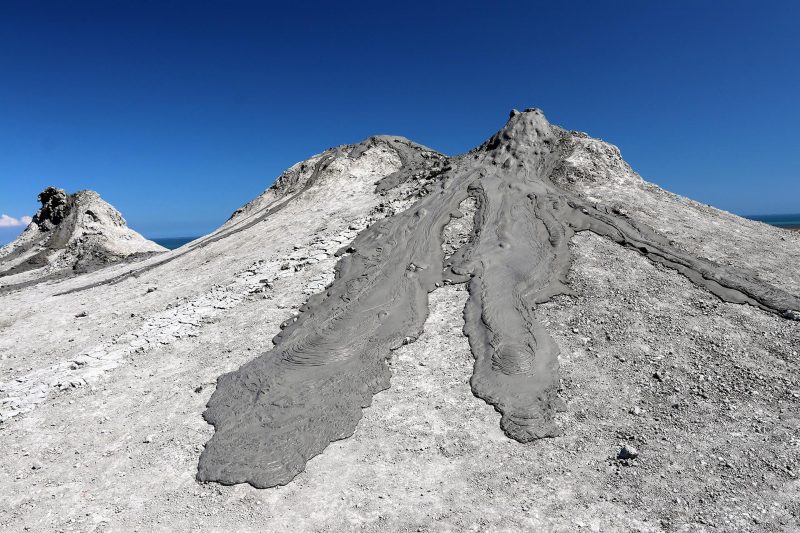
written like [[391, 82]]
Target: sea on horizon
[[171, 243], [790, 221], [786, 221]]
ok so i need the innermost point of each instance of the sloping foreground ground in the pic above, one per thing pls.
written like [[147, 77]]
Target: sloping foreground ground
[[706, 391]]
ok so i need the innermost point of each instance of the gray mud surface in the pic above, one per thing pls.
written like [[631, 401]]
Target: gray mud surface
[[281, 409]]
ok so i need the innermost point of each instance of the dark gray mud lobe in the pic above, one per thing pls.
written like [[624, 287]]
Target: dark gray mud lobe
[[286, 406], [279, 410]]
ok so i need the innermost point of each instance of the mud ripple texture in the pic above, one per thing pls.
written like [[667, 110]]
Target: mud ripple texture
[[279, 410]]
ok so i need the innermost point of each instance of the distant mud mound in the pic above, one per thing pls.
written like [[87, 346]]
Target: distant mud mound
[[70, 234], [279, 410]]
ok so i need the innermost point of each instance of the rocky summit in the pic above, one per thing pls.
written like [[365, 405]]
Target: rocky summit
[[70, 234], [527, 336]]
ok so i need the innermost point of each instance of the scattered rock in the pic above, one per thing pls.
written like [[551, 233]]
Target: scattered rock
[[628, 452], [619, 211], [55, 207], [791, 314]]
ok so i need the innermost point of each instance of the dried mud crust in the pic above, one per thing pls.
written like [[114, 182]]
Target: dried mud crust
[[706, 391], [459, 230], [597, 172], [284, 407]]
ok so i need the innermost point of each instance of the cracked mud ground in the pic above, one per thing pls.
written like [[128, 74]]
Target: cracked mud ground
[[707, 391]]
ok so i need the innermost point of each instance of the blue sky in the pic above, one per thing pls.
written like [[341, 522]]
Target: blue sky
[[179, 112]]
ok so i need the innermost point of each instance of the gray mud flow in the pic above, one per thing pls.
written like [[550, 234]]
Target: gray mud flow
[[279, 410]]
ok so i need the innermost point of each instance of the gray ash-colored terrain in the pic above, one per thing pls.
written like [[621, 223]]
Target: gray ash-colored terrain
[[70, 234], [276, 412], [385, 335]]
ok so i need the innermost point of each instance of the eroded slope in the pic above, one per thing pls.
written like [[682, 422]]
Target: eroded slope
[[70, 234]]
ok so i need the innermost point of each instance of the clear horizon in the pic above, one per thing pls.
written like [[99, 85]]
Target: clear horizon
[[8, 234], [178, 113]]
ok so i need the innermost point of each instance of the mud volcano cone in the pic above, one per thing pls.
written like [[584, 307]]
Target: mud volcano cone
[[276, 412]]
